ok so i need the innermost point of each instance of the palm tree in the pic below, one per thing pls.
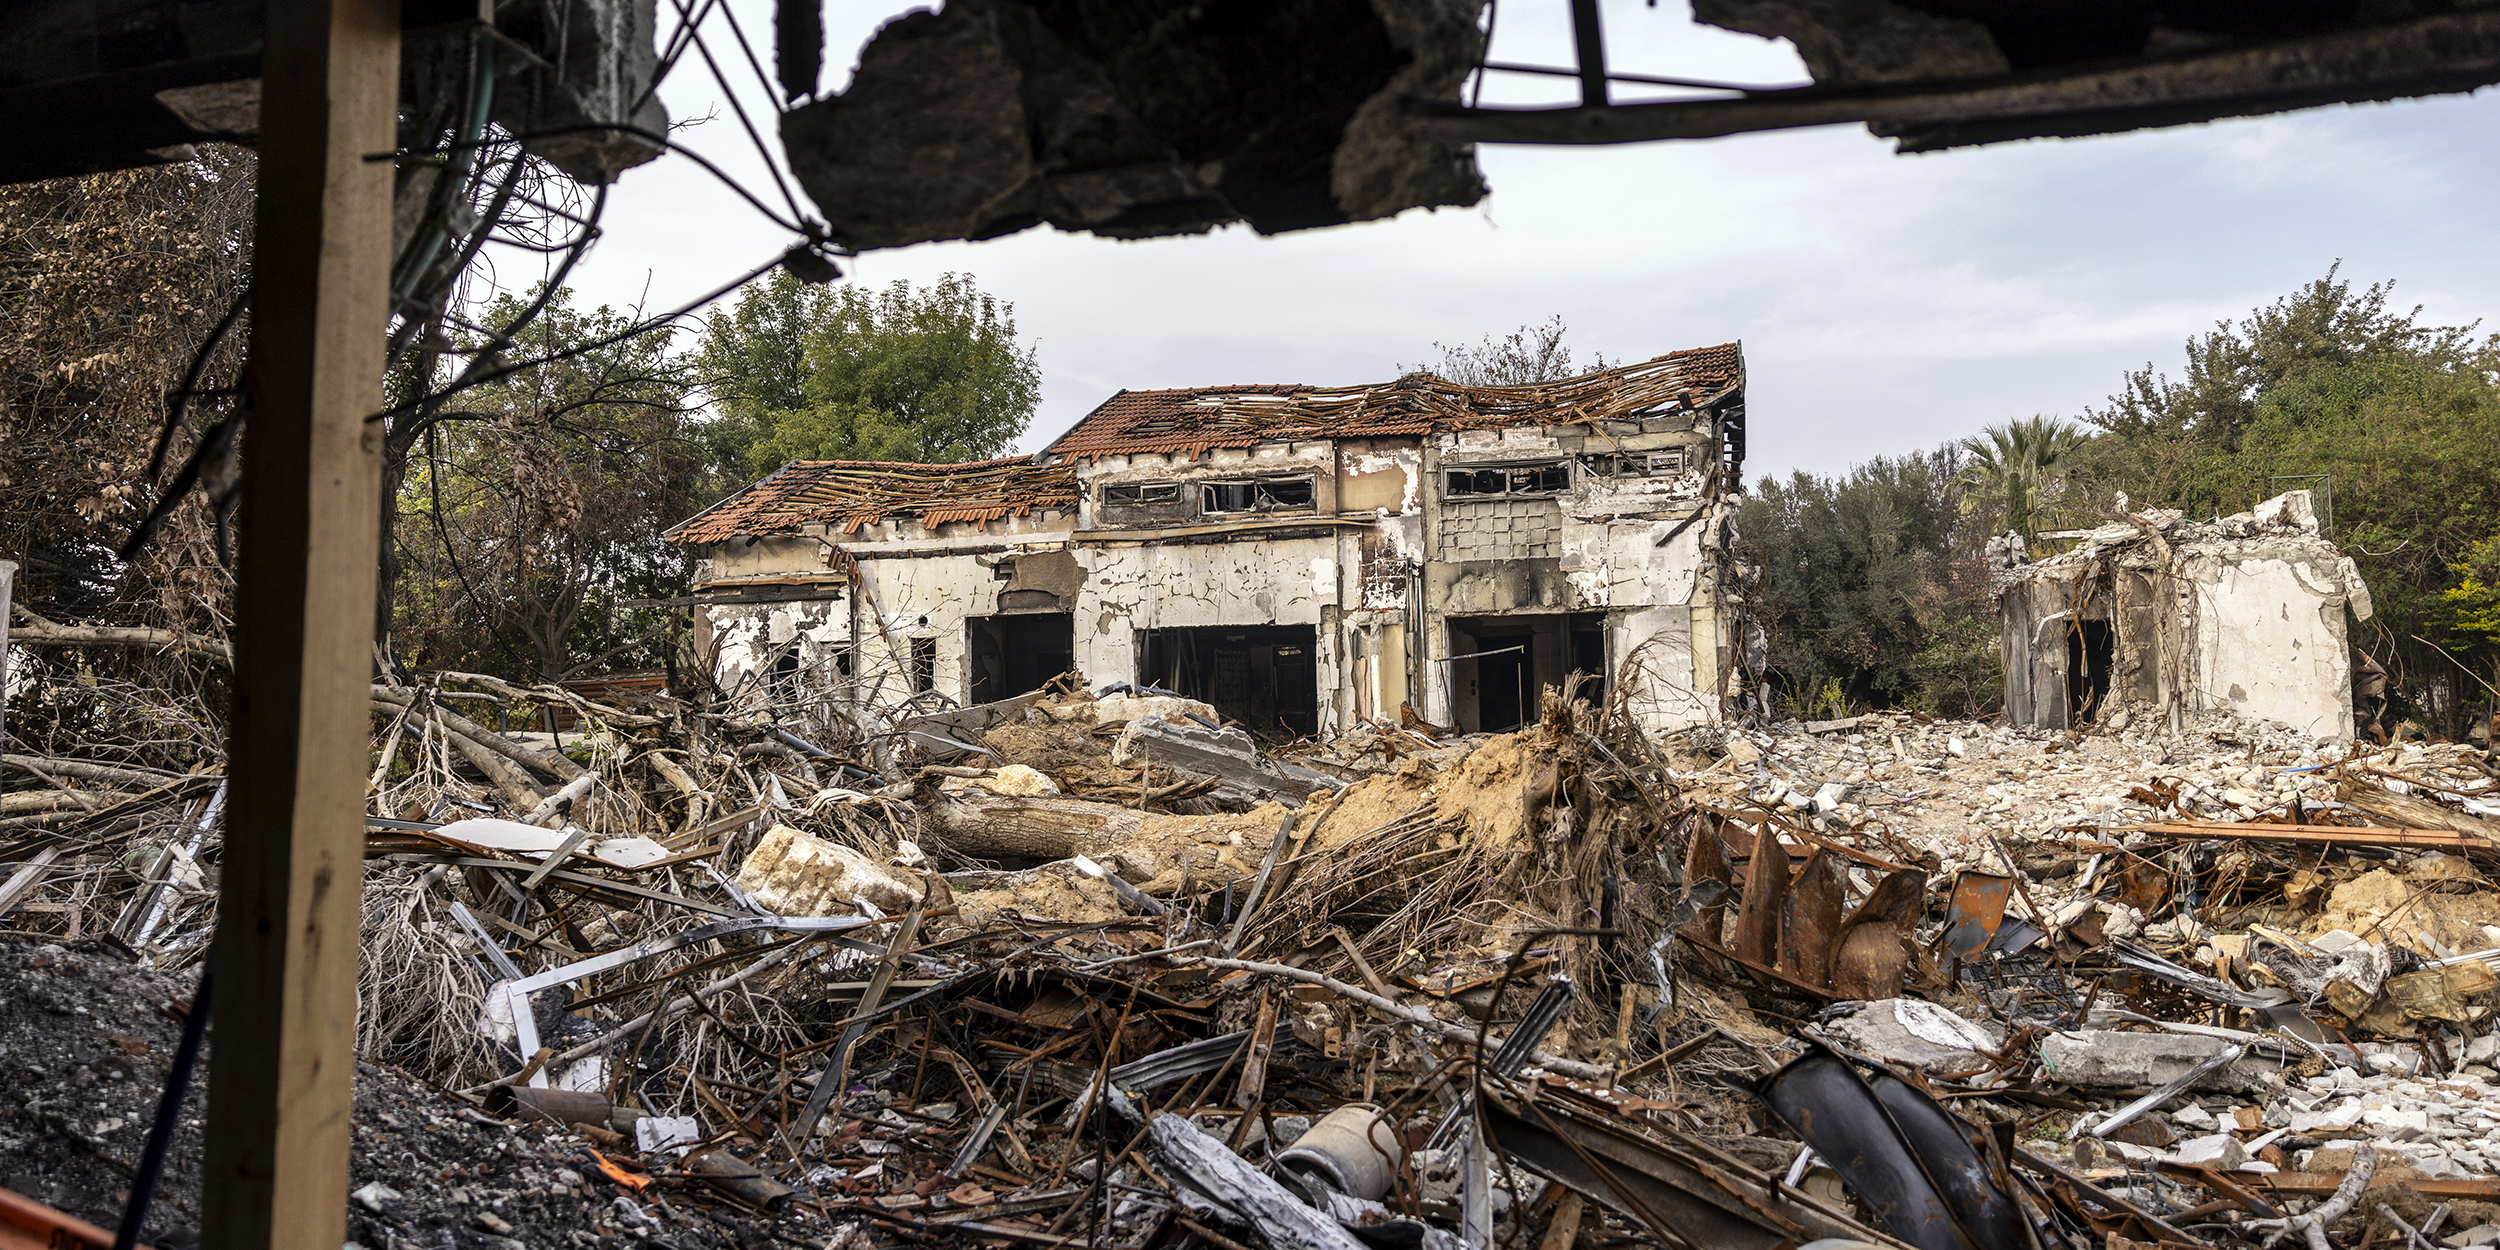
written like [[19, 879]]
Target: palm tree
[[2014, 463]]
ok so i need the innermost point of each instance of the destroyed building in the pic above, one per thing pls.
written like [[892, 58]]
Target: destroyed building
[[1303, 558], [2162, 616]]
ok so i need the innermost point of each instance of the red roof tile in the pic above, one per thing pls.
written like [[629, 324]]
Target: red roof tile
[[844, 495], [1194, 420]]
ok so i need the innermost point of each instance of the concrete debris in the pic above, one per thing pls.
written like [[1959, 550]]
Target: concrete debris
[[2103, 1059], [1918, 1033], [1074, 966], [790, 873], [1191, 747]]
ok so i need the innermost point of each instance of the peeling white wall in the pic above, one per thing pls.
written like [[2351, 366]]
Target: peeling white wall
[[2270, 641]]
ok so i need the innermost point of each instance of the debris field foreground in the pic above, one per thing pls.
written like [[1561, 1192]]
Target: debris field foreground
[[1070, 968]]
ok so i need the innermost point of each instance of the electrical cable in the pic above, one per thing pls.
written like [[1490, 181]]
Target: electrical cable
[[168, 1114]]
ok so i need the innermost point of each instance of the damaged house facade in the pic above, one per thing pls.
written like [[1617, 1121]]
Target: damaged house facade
[[2157, 615], [1305, 559]]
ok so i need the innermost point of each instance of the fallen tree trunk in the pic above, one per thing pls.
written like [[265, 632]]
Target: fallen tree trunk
[[84, 771], [517, 791], [1032, 826], [2412, 812], [58, 800], [38, 632], [547, 762]]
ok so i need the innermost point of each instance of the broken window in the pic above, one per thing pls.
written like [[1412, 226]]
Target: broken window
[[1639, 463], [923, 664], [1266, 494], [1136, 494], [1510, 479]]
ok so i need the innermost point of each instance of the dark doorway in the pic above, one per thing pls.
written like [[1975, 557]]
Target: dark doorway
[[1009, 655], [1499, 666], [1264, 676], [2090, 651]]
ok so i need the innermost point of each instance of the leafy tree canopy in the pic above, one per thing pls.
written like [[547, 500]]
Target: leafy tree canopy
[[539, 513], [929, 374], [1869, 585], [2016, 466]]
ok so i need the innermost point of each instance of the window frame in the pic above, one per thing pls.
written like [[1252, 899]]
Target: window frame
[[1663, 462], [1511, 489], [1309, 482], [1105, 497]]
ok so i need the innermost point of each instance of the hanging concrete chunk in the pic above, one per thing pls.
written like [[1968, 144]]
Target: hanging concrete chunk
[[992, 116]]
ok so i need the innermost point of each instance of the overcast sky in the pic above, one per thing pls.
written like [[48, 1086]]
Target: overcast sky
[[1885, 302]]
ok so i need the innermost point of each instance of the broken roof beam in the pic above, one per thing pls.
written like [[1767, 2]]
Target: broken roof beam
[[2437, 54]]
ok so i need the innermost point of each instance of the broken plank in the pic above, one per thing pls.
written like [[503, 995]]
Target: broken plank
[[24, 880], [2478, 1188], [2365, 835]]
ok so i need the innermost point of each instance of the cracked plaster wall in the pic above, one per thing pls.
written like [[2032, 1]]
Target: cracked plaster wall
[[2270, 641]]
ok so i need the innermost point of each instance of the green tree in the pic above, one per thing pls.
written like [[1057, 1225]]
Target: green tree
[[538, 514], [2473, 604], [839, 373], [2401, 418], [1861, 574], [2016, 466], [2178, 441]]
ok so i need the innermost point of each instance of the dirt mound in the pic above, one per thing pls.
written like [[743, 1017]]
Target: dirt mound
[[2381, 906]]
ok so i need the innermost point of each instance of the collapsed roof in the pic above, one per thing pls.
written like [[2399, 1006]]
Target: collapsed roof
[[1194, 420], [847, 494]]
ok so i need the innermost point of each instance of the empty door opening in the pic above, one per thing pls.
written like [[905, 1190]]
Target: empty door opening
[[1012, 654], [1264, 676], [2091, 649], [1499, 666]]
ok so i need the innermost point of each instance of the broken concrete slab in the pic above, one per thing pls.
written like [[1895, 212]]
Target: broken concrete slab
[[2107, 1059], [1226, 753], [1919, 1033]]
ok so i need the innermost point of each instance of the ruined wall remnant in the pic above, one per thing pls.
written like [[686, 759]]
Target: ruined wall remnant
[[2157, 615]]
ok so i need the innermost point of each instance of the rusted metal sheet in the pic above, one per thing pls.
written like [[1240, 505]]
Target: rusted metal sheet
[[1677, 1186], [1706, 860], [1870, 960], [1974, 913], [26, 1224], [1810, 920], [1766, 888]]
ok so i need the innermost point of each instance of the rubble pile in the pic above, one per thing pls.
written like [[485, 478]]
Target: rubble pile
[[1097, 966]]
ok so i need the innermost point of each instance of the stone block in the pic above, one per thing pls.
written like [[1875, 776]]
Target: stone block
[[2104, 1059], [1918, 1033], [2220, 1150], [790, 873]]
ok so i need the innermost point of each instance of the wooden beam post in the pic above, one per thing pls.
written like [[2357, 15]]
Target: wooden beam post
[[285, 953]]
